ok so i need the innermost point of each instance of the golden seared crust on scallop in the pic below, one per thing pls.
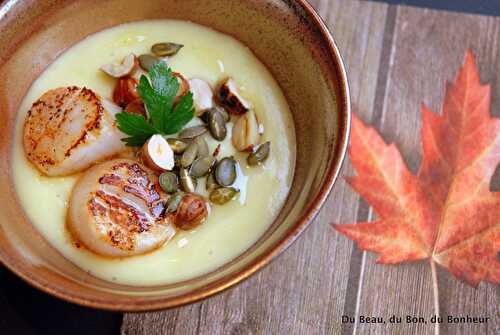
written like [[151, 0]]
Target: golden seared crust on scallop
[[68, 129], [117, 209]]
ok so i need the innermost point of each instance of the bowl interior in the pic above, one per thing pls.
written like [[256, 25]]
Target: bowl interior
[[285, 35]]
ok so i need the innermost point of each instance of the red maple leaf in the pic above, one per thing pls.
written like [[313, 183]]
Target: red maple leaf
[[446, 212]]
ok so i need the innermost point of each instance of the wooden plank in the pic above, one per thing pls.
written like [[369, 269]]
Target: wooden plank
[[428, 47], [305, 290]]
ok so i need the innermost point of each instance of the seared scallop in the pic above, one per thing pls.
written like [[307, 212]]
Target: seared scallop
[[70, 128], [117, 210]]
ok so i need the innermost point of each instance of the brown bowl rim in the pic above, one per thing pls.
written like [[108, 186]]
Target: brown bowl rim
[[333, 171]]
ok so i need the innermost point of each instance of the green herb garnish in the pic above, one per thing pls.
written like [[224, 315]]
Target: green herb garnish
[[158, 94]]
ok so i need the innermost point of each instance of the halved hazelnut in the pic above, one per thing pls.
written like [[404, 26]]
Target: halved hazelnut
[[119, 70], [246, 132], [138, 73], [203, 96], [230, 98], [157, 154], [125, 91], [183, 88]]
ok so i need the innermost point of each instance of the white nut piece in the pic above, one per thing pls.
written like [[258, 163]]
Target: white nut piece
[[203, 96], [119, 70], [230, 98], [157, 154], [138, 73], [246, 132], [183, 86]]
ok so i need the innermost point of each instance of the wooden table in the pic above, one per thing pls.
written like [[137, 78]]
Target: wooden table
[[397, 57]]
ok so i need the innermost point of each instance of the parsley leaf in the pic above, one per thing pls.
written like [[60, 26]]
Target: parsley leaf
[[134, 124], [183, 113], [158, 94]]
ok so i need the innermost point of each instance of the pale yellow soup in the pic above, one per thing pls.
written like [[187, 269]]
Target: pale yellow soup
[[231, 228]]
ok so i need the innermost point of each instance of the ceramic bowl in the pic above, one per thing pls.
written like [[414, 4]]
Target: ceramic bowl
[[287, 36]]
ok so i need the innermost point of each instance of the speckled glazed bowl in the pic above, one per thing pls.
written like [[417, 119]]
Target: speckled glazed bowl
[[286, 35]]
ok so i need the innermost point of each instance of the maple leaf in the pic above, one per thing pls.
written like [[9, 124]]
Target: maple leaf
[[446, 212]]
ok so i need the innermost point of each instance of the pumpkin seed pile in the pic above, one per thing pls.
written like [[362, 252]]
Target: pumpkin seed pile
[[193, 158]]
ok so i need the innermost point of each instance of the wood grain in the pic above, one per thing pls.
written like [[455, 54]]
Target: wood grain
[[397, 57], [428, 48], [304, 291]]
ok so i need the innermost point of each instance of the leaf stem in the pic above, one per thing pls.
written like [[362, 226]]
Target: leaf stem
[[436, 295]]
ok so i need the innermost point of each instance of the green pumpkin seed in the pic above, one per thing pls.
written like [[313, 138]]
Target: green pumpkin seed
[[166, 49], [174, 201], [217, 125], [225, 172], [168, 182], [224, 113], [178, 146], [189, 155], [147, 61], [223, 195], [211, 183], [188, 183], [260, 155], [219, 109], [203, 150], [192, 132], [202, 166]]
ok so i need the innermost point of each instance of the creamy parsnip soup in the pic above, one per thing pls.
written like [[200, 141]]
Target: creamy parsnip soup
[[154, 152]]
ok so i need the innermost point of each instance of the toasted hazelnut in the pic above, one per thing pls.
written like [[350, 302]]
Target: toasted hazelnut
[[191, 212], [123, 69], [246, 132], [183, 88], [125, 91], [203, 96], [136, 107], [138, 73], [157, 154], [230, 98]]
